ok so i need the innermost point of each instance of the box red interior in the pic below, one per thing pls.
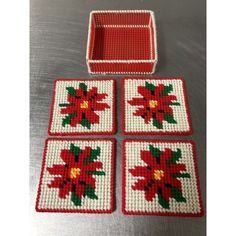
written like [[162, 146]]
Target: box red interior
[[121, 36]]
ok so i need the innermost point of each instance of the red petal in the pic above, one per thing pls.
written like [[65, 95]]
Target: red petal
[[55, 182], [150, 193], [144, 92], [137, 102], [76, 120], [88, 179], [99, 96], [169, 98], [139, 112], [176, 168], [80, 188], [148, 158], [72, 99], [92, 117], [160, 117], [57, 170], [140, 171], [68, 110], [168, 109], [139, 184], [159, 89], [80, 93], [64, 191], [166, 193], [67, 157], [99, 106], [92, 166], [84, 154], [175, 183], [92, 91], [165, 155]]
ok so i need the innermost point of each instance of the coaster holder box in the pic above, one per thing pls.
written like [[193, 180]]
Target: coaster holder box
[[122, 42]]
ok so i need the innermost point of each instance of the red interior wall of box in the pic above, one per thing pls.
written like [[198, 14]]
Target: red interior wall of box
[[121, 36], [121, 67]]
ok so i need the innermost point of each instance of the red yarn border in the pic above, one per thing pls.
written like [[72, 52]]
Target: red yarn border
[[112, 186], [190, 131], [113, 131], [201, 213]]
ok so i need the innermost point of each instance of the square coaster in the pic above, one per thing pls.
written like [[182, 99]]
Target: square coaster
[[155, 106], [77, 175], [83, 106], [160, 178]]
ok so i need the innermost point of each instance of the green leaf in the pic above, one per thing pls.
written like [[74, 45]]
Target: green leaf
[[155, 151], [74, 149], [181, 175], [83, 86], [157, 124], [169, 118], [95, 172], [93, 156], [85, 123], [165, 204], [75, 199], [150, 86], [71, 91], [66, 120], [173, 104], [177, 195], [175, 156], [64, 104], [167, 89], [90, 192]]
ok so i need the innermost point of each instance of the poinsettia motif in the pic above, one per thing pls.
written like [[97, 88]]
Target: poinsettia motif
[[77, 174], [155, 104], [81, 106], [161, 176]]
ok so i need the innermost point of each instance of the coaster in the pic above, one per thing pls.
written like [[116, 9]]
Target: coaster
[[77, 176], [83, 107], [160, 178], [155, 106]]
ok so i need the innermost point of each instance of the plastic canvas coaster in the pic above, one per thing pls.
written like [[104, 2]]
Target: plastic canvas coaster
[[160, 178], [77, 176], [155, 106], [83, 106]]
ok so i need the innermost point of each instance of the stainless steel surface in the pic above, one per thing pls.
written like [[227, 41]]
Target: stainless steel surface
[[58, 46]]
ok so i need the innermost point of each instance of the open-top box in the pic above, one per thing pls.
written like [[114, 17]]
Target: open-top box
[[122, 42]]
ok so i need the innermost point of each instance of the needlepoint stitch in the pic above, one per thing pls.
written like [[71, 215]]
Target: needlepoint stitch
[[77, 176], [160, 178], [155, 106], [83, 107]]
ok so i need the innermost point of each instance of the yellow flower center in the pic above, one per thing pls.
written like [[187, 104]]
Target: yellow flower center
[[74, 172], [84, 104], [158, 174], [153, 103]]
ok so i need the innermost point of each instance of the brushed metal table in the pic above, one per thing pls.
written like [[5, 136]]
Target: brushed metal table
[[58, 46]]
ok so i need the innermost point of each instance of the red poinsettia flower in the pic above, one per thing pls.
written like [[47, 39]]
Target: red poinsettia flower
[[160, 176], [82, 106], [155, 104], [77, 174]]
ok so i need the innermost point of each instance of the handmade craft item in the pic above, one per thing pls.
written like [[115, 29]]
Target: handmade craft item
[[83, 106], [155, 106], [160, 178], [77, 176], [122, 42]]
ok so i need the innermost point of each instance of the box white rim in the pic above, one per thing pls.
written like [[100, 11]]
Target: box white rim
[[121, 11]]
